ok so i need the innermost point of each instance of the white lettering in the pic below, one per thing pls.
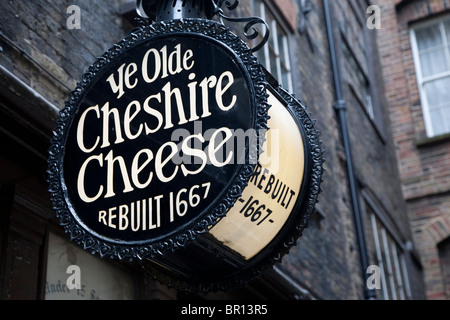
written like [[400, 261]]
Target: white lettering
[[154, 113], [135, 215], [129, 117], [157, 65], [80, 181], [168, 92], [123, 217], [116, 117], [193, 152], [136, 168], [220, 91], [117, 87], [159, 111], [110, 174], [80, 130], [160, 163], [213, 148]]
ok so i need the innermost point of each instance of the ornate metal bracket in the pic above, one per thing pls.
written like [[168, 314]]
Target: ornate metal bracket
[[251, 22], [152, 10]]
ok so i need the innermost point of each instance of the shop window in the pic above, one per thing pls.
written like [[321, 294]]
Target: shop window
[[431, 50], [274, 56], [99, 280]]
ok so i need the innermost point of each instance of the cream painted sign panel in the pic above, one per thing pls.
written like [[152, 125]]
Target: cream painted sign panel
[[267, 202], [99, 280]]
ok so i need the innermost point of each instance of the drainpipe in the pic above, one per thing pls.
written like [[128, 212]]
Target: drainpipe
[[341, 109]]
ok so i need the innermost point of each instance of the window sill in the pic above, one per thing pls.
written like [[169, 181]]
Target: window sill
[[426, 142]]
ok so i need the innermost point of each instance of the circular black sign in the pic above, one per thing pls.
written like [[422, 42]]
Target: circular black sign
[[145, 156]]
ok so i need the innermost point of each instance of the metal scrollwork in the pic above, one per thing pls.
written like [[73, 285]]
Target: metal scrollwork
[[230, 5], [150, 10]]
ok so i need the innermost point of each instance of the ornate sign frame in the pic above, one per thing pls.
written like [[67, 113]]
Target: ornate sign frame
[[96, 244]]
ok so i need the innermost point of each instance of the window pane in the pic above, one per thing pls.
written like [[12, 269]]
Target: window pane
[[394, 265], [429, 37], [273, 62], [261, 57], [284, 59], [437, 92], [285, 74], [390, 259], [274, 55], [272, 24], [369, 106], [433, 61], [384, 295], [398, 271], [281, 42], [405, 276], [438, 98], [447, 30], [389, 271], [439, 120], [257, 8]]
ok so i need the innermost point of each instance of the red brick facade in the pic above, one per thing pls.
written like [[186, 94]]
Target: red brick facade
[[424, 163]]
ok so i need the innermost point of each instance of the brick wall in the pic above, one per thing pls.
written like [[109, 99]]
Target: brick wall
[[326, 259], [38, 48], [424, 163]]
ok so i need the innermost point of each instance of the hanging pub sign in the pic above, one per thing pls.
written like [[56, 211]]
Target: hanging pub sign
[[144, 157], [178, 150]]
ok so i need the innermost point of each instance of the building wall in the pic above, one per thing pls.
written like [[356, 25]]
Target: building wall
[[40, 62], [40, 51], [326, 256], [326, 259], [423, 162], [371, 139]]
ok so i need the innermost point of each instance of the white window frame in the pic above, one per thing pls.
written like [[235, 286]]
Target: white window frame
[[394, 274], [421, 81], [263, 7]]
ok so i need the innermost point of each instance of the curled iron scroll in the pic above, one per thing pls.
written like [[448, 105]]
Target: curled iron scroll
[[251, 22], [147, 10], [230, 5]]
